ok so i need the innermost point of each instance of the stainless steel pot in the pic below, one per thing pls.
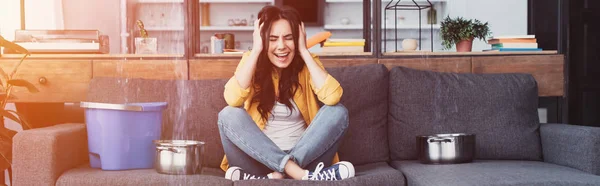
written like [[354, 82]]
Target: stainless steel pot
[[446, 148], [179, 156]]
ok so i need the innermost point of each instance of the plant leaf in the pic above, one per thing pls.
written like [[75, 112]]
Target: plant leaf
[[5, 154], [9, 115], [23, 83], [3, 96], [3, 74], [6, 148], [23, 122]]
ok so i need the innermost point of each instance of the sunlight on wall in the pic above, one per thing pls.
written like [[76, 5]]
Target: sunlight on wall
[[9, 18], [40, 14], [44, 14]]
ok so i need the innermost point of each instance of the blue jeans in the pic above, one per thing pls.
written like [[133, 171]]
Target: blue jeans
[[247, 147]]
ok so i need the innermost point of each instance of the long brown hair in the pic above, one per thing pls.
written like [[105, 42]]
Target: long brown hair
[[288, 82]]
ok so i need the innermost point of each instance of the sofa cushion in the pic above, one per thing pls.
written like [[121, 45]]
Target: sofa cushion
[[192, 112], [494, 172], [365, 97], [500, 109], [369, 174], [84, 175], [562, 142]]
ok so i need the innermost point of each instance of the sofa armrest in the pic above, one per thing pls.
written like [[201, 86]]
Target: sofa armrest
[[572, 146], [41, 155]]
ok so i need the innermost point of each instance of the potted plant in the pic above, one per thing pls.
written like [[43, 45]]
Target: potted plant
[[7, 83], [461, 32], [145, 44]]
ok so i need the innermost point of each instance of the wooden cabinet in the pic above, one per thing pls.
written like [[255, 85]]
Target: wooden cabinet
[[332, 62], [224, 68], [212, 68], [147, 69], [546, 69], [67, 79], [452, 64], [57, 80]]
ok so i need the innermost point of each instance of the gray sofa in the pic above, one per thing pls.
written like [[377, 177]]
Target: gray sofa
[[387, 110]]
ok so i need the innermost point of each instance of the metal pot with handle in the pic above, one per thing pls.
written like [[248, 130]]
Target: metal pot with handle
[[179, 156], [446, 148]]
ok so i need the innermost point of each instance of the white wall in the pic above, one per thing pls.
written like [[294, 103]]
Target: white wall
[[8, 24], [506, 17], [102, 15]]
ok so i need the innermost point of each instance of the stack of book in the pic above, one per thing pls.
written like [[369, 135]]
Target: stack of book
[[514, 43], [343, 45]]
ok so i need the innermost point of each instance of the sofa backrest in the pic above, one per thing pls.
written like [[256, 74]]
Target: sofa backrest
[[366, 98], [193, 107], [500, 109]]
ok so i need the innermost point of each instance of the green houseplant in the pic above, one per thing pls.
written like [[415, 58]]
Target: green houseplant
[[7, 83], [461, 32]]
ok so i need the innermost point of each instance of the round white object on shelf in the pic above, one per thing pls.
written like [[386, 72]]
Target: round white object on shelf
[[345, 21], [409, 44]]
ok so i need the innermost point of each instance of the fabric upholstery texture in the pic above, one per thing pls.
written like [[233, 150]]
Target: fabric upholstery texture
[[563, 142], [494, 172], [84, 175], [36, 157], [500, 109], [191, 113], [368, 174], [365, 97]]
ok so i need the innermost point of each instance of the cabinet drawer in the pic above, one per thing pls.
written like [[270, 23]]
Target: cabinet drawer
[[146, 69], [56, 80], [212, 68]]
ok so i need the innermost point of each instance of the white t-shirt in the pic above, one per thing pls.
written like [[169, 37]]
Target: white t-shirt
[[285, 129]]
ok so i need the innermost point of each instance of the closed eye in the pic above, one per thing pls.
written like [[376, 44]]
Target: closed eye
[[286, 37]]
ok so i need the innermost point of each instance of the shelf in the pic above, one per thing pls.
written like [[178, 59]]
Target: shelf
[[236, 1], [317, 53], [418, 1], [360, 27], [164, 28], [343, 27], [226, 28], [383, 2], [474, 53], [411, 26], [160, 1], [343, 1]]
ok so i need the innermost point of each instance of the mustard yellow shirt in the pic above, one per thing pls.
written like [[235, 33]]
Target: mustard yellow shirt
[[330, 94]]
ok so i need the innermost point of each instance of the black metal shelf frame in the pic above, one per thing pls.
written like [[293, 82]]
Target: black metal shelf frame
[[397, 6]]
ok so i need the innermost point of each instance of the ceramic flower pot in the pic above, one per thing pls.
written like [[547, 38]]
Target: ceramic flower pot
[[464, 45]]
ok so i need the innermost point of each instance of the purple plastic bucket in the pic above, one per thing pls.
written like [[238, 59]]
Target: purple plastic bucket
[[120, 136]]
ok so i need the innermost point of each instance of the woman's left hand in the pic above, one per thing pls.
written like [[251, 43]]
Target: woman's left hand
[[302, 39]]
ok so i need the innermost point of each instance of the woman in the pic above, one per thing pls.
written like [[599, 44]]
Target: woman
[[273, 126]]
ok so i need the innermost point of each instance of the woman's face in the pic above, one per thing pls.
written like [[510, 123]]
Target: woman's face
[[281, 44]]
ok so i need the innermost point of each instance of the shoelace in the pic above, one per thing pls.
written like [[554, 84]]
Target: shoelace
[[252, 177], [325, 175]]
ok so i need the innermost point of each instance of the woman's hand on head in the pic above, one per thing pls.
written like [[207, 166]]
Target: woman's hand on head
[[302, 48], [257, 45]]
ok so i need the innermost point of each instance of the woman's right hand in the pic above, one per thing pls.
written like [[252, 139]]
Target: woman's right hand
[[257, 46]]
